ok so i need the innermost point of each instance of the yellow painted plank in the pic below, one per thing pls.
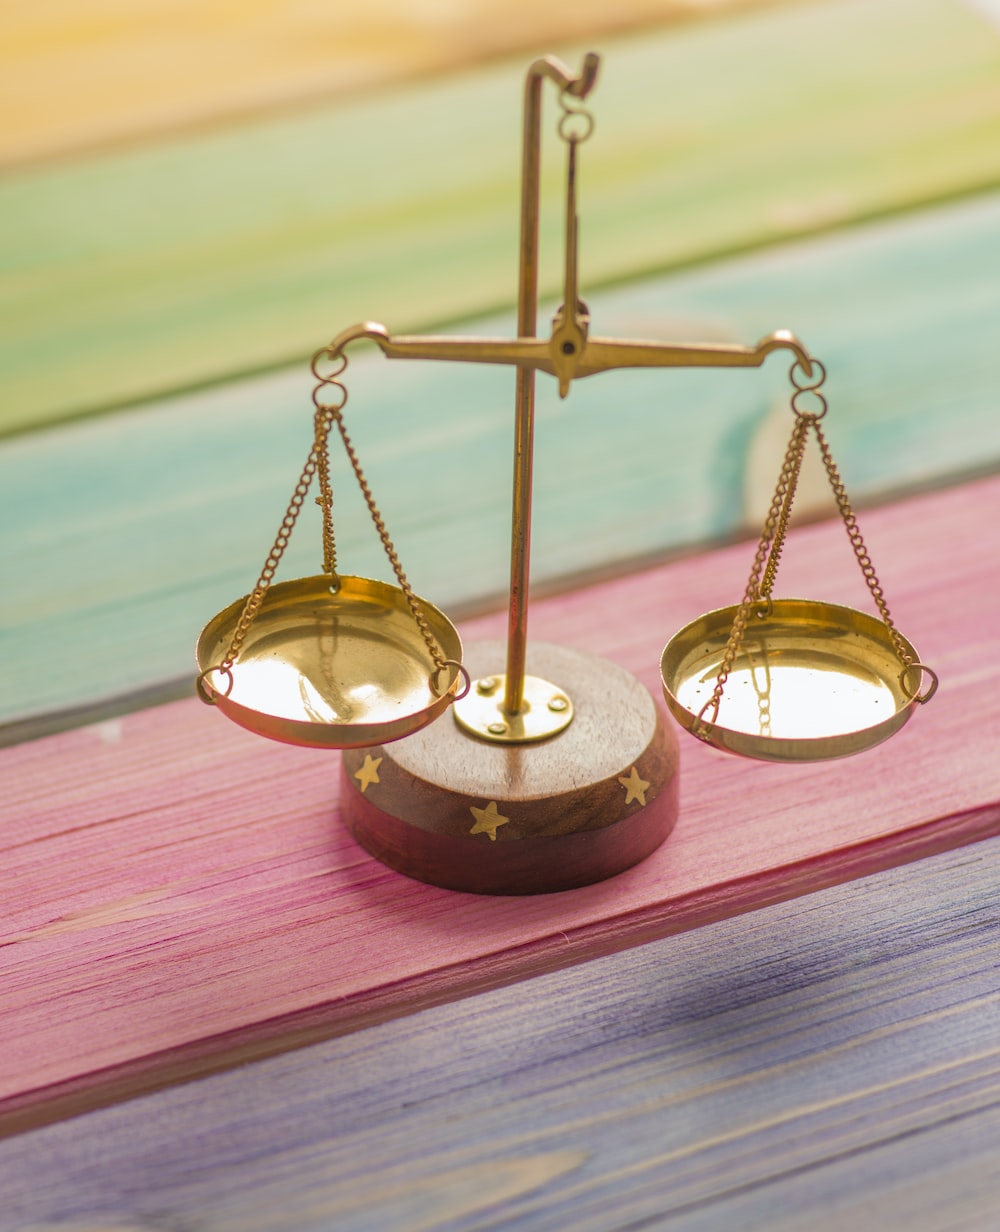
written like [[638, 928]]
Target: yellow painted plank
[[78, 73]]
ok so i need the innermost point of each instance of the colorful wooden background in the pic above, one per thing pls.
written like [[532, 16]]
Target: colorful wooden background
[[216, 1011]]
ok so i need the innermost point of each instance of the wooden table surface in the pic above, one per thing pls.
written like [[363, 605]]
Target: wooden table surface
[[216, 1011]]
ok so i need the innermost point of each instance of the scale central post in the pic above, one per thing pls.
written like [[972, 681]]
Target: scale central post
[[578, 87]]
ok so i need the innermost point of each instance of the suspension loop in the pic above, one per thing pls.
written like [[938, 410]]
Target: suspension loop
[[435, 679], [328, 366], [797, 375], [819, 402], [207, 691], [328, 356], [576, 123], [921, 669]]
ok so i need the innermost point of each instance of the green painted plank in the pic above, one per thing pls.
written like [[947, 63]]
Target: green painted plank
[[826, 1063], [124, 534], [151, 270]]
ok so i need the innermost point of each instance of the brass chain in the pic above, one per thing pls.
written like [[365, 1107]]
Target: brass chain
[[788, 484], [325, 497], [318, 464], [321, 425], [777, 516], [390, 550], [759, 588], [326, 412], [860, 551]]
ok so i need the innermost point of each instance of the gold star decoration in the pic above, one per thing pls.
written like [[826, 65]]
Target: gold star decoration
[[488, 820], [635, 787], [368, 773]]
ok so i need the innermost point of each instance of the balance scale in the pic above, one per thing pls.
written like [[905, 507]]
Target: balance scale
[[555, 768]]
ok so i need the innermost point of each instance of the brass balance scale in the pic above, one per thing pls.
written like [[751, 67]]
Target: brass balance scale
[[564, 774]]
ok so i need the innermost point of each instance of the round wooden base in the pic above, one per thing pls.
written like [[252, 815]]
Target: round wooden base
[[454, 810]]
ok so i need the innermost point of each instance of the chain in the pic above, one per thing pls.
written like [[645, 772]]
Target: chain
[[390, 551], [860, 551], [788, 483], [318, 463], [773, 536], [333, 413], [326, 412], [253, 604], [775, 524]]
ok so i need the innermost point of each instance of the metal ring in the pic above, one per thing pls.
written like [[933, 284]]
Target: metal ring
[[329, 407], [202, 687], [327, 353], [810, 383], [763, 608], [915, 695], [462, 671], [566, 119], [809, 416]]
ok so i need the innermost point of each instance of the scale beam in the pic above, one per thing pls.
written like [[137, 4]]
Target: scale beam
[[594, 355]]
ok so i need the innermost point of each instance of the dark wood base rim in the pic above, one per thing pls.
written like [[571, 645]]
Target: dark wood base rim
[[451, 810]]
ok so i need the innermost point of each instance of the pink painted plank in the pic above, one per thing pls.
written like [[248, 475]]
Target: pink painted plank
[[178, 894]]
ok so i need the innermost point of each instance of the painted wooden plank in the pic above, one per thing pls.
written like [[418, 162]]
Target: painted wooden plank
[[825, 1063], [149, 270], [79, 73], [180, 896], [123, 535]]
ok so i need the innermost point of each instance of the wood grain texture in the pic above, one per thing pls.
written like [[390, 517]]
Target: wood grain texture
[[827, 1063], [122, 536], [572, 810], [79, 73], [191, 261], [179, 895]]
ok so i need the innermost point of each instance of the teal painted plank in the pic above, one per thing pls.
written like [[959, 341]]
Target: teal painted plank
[[125, 534], [141, 272], [827, 1063]]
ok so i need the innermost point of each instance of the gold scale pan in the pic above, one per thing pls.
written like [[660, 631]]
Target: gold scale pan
[[343, 662]]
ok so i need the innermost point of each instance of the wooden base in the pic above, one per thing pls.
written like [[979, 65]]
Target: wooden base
[[448, 808]]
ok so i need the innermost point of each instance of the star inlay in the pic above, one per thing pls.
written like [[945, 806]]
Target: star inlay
[[488, 820], [635, 787], [368, 773]]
